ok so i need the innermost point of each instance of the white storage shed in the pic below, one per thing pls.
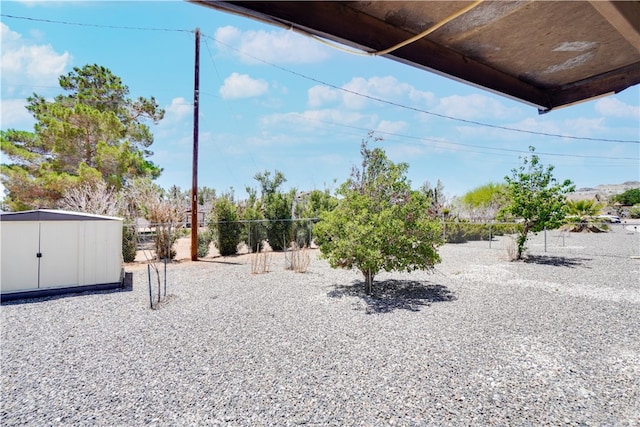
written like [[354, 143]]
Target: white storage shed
[[46, 252]]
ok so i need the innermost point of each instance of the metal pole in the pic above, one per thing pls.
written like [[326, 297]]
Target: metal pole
[[545, 239], [150, 292], [194, 178], [489, 235]]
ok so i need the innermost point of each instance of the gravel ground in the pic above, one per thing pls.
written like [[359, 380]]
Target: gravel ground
[[481, 341]]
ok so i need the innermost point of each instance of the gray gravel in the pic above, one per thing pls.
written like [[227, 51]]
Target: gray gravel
[[481, 341]]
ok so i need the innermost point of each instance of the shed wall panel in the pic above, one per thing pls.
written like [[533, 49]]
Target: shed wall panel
[[19, 263], [60, 245]]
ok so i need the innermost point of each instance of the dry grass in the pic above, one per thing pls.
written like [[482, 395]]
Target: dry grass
[[298, 259]]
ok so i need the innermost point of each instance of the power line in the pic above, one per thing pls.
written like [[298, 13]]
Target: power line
[[419, 110], [466, 145], [316, 80], [81, 24]]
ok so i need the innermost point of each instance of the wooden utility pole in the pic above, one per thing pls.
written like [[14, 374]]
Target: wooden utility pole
[[194, 176]]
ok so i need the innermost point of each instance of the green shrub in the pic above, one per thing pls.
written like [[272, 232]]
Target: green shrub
[[204, 240], [129, 243], [460, 232], [253, 232], [224, 226], [463, 231], [277, 209], [303, 233]]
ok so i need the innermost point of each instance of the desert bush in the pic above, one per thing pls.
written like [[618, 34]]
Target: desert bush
[[634, 211], [298, 259], [260, 261], [165, 239]]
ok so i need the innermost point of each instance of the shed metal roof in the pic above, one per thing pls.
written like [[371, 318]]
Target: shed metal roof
[[545, 53], [53, 215]]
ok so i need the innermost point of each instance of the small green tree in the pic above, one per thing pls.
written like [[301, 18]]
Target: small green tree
[[254, 231], [224, 225], [483, 202], [535, 197], [310, 205], [277, 208], [379, 223], [628, 198]]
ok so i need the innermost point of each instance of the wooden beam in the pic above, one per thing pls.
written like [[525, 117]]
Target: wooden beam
[[624, 16], [610, 82], [329, 19], [341, 22]]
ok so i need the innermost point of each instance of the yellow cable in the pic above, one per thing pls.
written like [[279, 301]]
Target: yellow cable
[[397, 46], [429, 30]]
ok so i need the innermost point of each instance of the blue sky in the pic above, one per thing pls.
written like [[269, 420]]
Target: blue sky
[[271, 99]]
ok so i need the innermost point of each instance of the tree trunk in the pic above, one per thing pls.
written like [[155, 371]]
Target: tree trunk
[[368, 282], [522, 240]]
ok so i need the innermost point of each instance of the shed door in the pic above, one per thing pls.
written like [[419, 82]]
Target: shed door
[[59, 242], [19, 246]]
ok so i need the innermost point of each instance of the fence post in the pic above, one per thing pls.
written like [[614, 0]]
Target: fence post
[[490, 238], [168, 255], [150, 292]]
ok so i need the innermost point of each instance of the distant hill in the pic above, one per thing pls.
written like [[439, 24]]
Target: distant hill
[[602, 191]]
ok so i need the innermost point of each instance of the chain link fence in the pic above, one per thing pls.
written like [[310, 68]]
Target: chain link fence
[[155, 242]]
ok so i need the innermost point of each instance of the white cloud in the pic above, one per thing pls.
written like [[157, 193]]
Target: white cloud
[[615, 108], [474, 106], [27, 64], [242, 86], [391, 127], [312, 120], [15, 115], [178, 109], [320, 95], [387, 88], [277, 46]]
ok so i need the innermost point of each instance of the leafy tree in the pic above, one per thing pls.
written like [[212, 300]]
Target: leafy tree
[[255, 232], [437, 197], [224, 225], [379, 223], [277, 208], [628, 198], [535, 197], [485, 201], [92, 132], [310, 205]]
